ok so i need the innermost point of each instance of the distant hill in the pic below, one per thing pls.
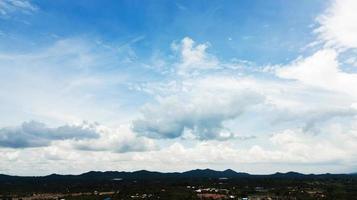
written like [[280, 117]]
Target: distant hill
[[208, 173], [197, 173]]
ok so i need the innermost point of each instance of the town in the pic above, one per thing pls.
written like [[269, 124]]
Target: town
[[200, 186]]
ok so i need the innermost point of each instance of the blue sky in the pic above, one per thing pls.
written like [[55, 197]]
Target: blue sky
[[257, 86], [255, 30]]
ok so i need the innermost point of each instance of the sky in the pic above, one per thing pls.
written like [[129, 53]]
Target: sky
[[256, 86]]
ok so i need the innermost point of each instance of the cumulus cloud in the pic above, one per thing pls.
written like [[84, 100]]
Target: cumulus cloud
[[337, 143], [85, 136], [119, 140], [338, 25], [199, 109], [321, 70], [324, 131], [36, 134], [334, 148], [193, 57], [222, 107], [289, 149], [334, 89], [307, 110]]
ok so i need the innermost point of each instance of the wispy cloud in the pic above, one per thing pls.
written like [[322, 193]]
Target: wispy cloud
[[60, 83], [9, 7]]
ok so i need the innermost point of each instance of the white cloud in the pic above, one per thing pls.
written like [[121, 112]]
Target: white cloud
[[119, 140], [308, 148], [338, 25], [36, 134], [287, 150], [333, 149], [201, 106], [222, 106], [321, 70], [284, 151], [324, 131], [193, 57], [85, 136], [309, 111]]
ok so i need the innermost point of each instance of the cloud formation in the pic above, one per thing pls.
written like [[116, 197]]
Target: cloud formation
[[85, 137], [291, 149], [193, 58], [321, 70], [36, 134], [338, 25], [301, 115], [119, 140], [198, 109]]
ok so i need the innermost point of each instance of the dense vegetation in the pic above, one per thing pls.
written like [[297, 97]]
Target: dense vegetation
[[153, 185]]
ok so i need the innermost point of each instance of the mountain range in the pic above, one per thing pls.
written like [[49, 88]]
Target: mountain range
[[197, 173]]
